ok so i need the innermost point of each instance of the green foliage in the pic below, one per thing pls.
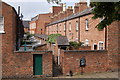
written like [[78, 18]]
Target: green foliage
[[75, 44], [54, 1], [109, 11], [29, 35], [52, 38]]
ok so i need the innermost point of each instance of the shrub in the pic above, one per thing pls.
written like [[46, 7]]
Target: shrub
[[75, 44], [52, 38]]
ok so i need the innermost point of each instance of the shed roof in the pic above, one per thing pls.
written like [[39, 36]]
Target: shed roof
[[43, 36], [62, 40]]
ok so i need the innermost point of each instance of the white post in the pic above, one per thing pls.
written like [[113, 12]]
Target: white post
[[58, 56]]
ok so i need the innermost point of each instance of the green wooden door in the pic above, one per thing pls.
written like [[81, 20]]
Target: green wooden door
[[37, 64]]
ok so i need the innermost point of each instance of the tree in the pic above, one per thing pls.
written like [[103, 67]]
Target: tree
[[54, 1], [109, 11], [52, 38]]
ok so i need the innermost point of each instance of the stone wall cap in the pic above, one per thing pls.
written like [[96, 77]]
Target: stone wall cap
[[31, 51], [85, 50]]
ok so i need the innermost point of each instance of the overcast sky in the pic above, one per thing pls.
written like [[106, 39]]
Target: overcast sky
[[30, 8]]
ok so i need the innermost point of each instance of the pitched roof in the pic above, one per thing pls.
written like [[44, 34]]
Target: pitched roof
[[26, 24], [43, 36], [79, 14], [62, 40]]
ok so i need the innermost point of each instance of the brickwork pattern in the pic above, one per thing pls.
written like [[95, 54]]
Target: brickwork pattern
[[96, 61]]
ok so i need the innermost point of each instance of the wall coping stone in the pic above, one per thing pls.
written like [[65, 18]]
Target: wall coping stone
[[85, 50], [31, 51]]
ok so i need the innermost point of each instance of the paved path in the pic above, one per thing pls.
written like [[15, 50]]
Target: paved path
[[95, 75]]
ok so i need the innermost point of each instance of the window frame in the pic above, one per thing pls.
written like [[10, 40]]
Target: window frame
[[86, 25], [100, 46], [3, 28], [77, 26], [70, 26], [86, 41], [64, 26]]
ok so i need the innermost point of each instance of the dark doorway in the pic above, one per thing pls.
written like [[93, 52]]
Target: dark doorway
[[95, 47]]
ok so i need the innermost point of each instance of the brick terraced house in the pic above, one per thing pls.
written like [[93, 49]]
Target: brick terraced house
[[75, 25], [80, 27]]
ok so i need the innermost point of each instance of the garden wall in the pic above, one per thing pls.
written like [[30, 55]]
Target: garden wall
[[96, 61], [20, 64]]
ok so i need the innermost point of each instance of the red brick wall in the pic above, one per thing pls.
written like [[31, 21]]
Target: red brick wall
[[72, 34], [113, 41], [42, 20], [20, 64], [96, 61], [9, 37], [57, 9], [33, 24], [82, 6]]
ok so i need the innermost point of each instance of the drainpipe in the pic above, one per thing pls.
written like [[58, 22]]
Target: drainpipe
[[106, 38], [78, 29], [57, 28]]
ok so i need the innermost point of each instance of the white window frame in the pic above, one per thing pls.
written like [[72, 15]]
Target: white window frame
[[86, 42], [3, 30], [100, 46], [60, 27], [86, 25], [70, 26], [64, 27], [83, 43], [76, 25]]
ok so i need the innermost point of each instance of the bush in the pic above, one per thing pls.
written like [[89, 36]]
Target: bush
[[75, 44], [52, 38]]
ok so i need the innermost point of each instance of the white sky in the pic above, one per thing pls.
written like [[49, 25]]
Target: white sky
[[30, 8]]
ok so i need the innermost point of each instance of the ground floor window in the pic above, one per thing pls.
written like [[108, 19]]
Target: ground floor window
[[101, 45], [86, 42]]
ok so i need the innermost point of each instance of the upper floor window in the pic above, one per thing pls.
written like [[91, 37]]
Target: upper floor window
[[76, 25], [86, 25], [100, 45], [64, 27], [1, 24], [70, 27], [60, 27]]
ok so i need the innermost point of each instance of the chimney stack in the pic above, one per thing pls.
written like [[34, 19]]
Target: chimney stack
[[76, 8], [82, 6], [64, 7]]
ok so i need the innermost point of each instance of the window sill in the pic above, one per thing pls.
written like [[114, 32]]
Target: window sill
[[2, 32], [86, 30]]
